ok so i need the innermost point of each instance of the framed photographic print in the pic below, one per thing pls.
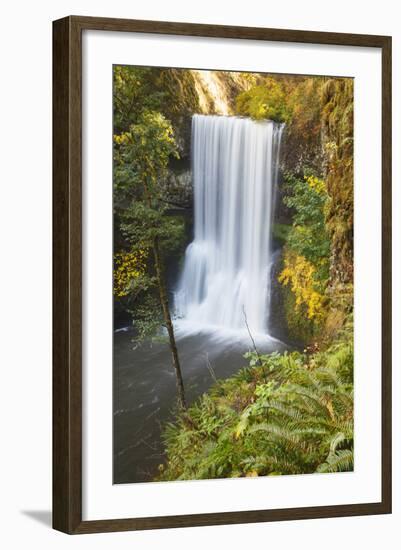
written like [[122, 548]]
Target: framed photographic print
[[222, 275]]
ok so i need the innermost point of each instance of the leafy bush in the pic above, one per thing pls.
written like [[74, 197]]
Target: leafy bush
[[306, 255], [308, 237], [266, 101], [128, 267], [300, 275]]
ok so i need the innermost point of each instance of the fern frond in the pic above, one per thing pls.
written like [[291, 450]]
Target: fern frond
[[339, 461]]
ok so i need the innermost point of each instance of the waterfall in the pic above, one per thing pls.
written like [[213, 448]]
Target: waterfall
[[225, 282]]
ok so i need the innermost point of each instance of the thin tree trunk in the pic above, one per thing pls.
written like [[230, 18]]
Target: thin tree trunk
[[169, 324]]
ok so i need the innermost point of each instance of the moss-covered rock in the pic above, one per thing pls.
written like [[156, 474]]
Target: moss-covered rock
[[337, 124]]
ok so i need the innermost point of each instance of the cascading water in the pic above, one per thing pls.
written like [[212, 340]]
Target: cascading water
[[225, 283]]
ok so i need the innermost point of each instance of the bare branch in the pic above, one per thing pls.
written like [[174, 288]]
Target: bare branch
[[251, 337]]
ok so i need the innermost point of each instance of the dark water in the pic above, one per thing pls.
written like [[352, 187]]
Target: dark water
[[145, 391]]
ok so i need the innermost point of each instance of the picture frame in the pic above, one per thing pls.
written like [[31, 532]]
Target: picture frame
[[68, 222]]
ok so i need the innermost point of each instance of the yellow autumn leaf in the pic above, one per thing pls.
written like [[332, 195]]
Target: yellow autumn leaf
[[299, 273]]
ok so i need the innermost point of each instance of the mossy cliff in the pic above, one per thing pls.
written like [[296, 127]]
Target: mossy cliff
[[318, 146], [337, 126]]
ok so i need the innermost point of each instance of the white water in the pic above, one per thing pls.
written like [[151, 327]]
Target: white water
[[226, 276]]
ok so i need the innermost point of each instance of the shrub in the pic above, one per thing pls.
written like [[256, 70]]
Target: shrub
[[266, 101]]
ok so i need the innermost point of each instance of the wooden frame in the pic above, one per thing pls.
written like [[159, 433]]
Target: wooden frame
[[67, 226]]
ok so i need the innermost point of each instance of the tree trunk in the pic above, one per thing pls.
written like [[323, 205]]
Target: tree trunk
[[168, 322]]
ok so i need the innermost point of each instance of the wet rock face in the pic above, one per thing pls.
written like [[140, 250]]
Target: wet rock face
[[217, 91], [296, 153], [278, 327], [182, 132], [179, 188]]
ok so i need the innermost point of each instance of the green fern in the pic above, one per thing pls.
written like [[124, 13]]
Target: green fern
[[293, 414], [339, 461]]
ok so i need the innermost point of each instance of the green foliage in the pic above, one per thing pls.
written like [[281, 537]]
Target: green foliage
[[142, 155], [280, 232], [141, 93], [142, 224], [305, 270], [136, 89], [292, 414], [266, 101], [308, 237], [145, 311]]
